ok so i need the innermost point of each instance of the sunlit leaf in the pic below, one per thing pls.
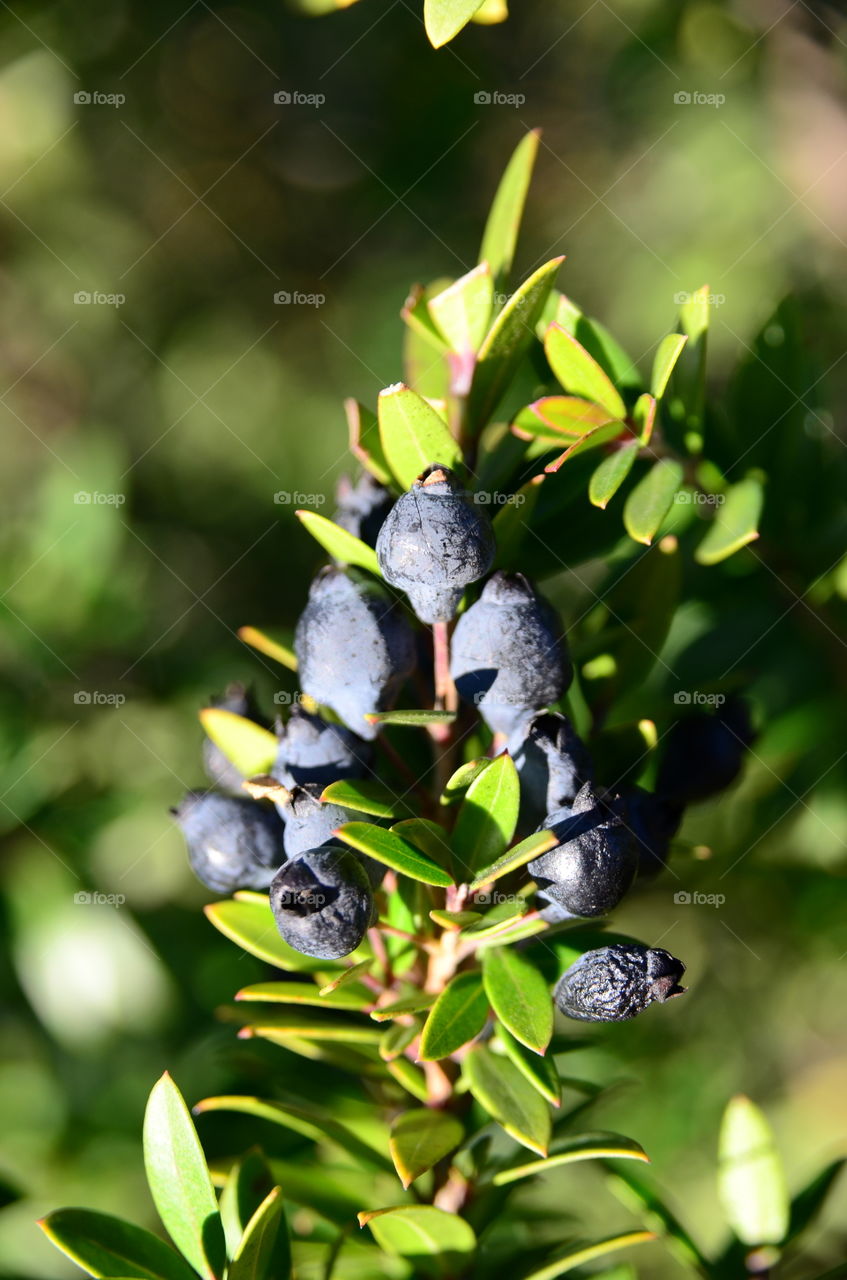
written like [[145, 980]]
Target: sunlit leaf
[[393, 851], [611, 473], [586, 1146], [427, 836], [444, 19], [734, 523], [437, 1243], [264, 643], [751, 1178], [413, 435], [518, 856], [419, 1139], [362, 795], [651, 500], [413, 718], [249, 922], [504, 220], [501, 1089], [579, 373], [666, 357], [458, 1015], [587, 1253], [541, 1073], [405, 1005], [248, 1183], [458, 782], [487, 818], [256, 1252], [365, 444], [249, 746], [347, 976], [109, 1247], [462, 311], [306, 993], [519, 996], [340, 544]]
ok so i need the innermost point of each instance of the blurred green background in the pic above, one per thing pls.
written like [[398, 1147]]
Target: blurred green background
[[146, 436]]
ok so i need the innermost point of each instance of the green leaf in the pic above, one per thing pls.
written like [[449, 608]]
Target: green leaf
[[395, 1040], [508, 1097], [458, 782], [519, 996], [734, 524], [588, 1253], [579, 373], [751, 1179], [541, 1073], [412, 718], [419, 1139], [413, 435], [279, 1027], [248, 921], [393, 851], [340, 544], [179, 1180], [488, 816], [505, 343], [249, 746], [248, 1182], [592, 439], [407, 1004], [410, 1077], [644, 417], [562, 418], [269, 646], [364, 796], [532, 847], [427, 836], [365, 444], [107, 1246], [306, 993], [348, 975], [643, 1200], [666, 357], [511, 524], [586, 1146], [455, 919], [807, 1204], [595, 337], [611, 473], [462, 311], [688, 383], [651, 500], [458, 1015], [504, 220], [252, 1260], [497, 920], [437, 1243]]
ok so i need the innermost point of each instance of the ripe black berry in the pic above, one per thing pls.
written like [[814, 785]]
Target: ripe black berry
[[552, 762], [617, 982], [653, 821], [233, 843], [322, 903], [311, 750], [703, 754], [596, 859], [310, 823]]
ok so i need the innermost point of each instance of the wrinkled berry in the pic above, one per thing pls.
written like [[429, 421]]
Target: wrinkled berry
[[322, 903], [233, 843], [617, 982], [354, 647], [507, 653], [434, 542], [703, 754], [362, 507], [595, 862], [218, 768], [311, 750], [310, 823], [653, 821], [552, 762]]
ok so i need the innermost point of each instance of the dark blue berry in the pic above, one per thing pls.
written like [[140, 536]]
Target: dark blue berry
[[618, 982], [310, 823], [552, 762], [702, 754], [653, 821], [311, 750], [595, 861], [233, 843], [322, 903]]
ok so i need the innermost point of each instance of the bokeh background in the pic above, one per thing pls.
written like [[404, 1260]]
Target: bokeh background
[[145, 436]]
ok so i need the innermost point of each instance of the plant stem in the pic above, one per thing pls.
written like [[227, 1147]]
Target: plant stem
[[446, 698]]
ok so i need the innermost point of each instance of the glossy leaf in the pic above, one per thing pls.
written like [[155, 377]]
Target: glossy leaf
[[651, 500], [106, 1246], [592, 439], [462, 311], [562, 419], [304, 1118], [541, 1073], [504, 220], [444, 19], [587, 1146], [249, 746], [519, 996], [666, 357], [340, 544], [751, 1179], [488, 816], [256, 1252], [436, 1242], [410, 1077], [393, 851], [508, 1097], [734, 524], [419, 1139], [248, 921], [458, 782], [427, 836], [347, 976], [179, 1180], [458, 1015], [405, 1005], [413, 435], [365, 444], [264, 643], [289, 1021], [611, 473], [411, 718], [518, 856], [587, 1253], [497, 919], [594, 337], [362, 795], [306, 993], [579, 373], [455, 919]]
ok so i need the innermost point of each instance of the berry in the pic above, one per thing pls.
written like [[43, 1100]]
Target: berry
[[507, 655], [553, 764], [703, 754], [434, 542], [310, 823], [354, 648], [322, 903], [220, 770], [653, 821], [362, 507], [595, 862], [311, 750], [233, 843], [617, 982]]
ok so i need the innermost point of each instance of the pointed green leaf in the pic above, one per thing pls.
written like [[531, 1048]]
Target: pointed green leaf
[[504, 220], [340, 544], [532, 847], [419, 1139], [751, 1179], [306, 993], [249, 746], [487, 819], [579, 373], [410, 1077], [179, 1180], [734, 524], [462, 311], [347, 976], [666, 357], [458, 1015], [562, 419], [807, 1204], [257, 1250], [393, 851], [413, 718], [365, 444], [248, 1182], [589, 1252], [644, 417], [519, 996], [264, 643], [497, 919], [413, 435], [541, 1073], [592, 439], [362, 795], [109, 1247], [395, 1040], [437, 1243], [407, 1004], [249, 922], [455, 919], [651, 500], [611, 473], [444, 19], [291, 1021], [458, 783], [587, 1146], [501, 1089]]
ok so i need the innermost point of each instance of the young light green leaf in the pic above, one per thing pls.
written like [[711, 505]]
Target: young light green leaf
[[497, 919], [588, 1253], [455, 919], [256, 1252], [458, 1015], [412, 718], [594, 336], [444, 19], [306, 1119], [413, 435], [666, 357], [393, 851], [249, 746], [611, 473], [541, 1073], [249, 922], [306, 993], [491, 12], [532, 847], [506, 342], [592, 439], [734, 524], [511, 1100], [751, 1178], [519, 996], [487, 819], [644, 417], [438, 1243], [579, 373], [462, 311], [651, 500], [586, 1146], [410, 1077], [419, 1139], [340, 544], [504, 220], [179, 1180], [561, 418], [362, 795], [458, 782], [269, 646], [289, 1021], [365, 444], [109, 1247]]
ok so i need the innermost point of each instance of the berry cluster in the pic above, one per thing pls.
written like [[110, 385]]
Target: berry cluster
[[508, 658]]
